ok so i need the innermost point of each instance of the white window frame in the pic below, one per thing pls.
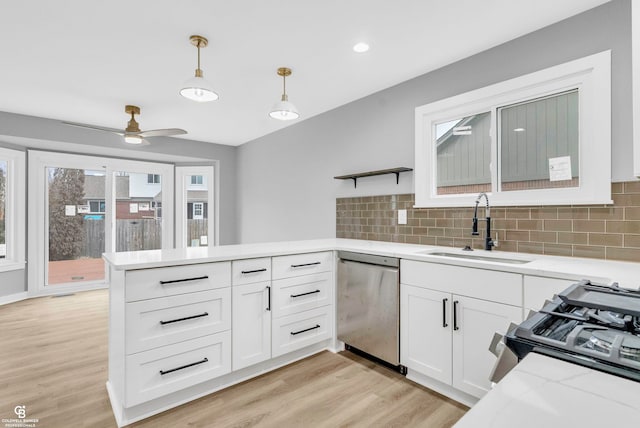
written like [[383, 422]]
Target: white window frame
[[197, 184], [193, 213], [15, 206], [182, 182], [590, 75]]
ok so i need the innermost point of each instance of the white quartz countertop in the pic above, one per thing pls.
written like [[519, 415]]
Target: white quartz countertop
[[627, 274], [545, 392]]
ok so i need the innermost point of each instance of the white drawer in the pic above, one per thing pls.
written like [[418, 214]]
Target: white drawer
[[302, 329], [168, 281], [495, 286], [166, 320], [168, 369], [249, 271], [302, 264], [538, 289], [292, 295]]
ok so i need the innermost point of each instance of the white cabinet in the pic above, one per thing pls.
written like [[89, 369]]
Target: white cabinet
[[251, 280], [425, 333], [475, 323], [303, 314], [251, 324], [272, 318], [537, 289], [167, 320], [161, 371], [301, 329], [445, 335], [169, 329]]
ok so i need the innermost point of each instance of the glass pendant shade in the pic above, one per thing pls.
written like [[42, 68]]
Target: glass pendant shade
[[284, 110], [198, 89]]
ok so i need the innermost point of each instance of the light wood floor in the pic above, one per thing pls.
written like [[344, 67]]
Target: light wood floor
[[53, 360]]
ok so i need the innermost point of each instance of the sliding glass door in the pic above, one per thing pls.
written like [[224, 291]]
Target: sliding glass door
[[83, 206]]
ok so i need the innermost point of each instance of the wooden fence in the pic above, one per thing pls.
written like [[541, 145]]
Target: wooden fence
[[133, 235]]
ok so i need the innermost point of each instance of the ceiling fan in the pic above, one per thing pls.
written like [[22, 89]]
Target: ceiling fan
[[132, 133]]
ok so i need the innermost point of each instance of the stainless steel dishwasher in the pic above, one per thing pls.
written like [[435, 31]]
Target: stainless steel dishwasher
[[369, 306]]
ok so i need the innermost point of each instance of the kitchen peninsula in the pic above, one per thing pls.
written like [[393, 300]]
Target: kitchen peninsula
[[187, 322]]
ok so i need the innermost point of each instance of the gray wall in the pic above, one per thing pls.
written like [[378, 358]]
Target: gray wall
[[20, 131], [287, 189]]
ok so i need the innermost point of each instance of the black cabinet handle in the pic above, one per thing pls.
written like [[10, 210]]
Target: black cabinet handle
[[268, 298], [164, 372], [305, 264], [205, 314], [304, 294], [244, 272], [173, 281], [444, 313], [293, 333], [455, 315]]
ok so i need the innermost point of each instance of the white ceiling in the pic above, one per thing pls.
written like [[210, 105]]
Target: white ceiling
[[82, 61]]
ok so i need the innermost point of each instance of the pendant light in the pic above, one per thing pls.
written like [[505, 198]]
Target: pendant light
[[283, 109], [197, 88]]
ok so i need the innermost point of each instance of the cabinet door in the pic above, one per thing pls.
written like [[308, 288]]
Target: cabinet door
[[251, 325], [476, 321], [425, 331]]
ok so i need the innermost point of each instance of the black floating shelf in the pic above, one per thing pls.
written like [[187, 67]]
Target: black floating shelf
[[355, 177]]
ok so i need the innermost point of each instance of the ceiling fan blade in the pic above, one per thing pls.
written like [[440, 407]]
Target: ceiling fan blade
[[96, 128], [162, 132]]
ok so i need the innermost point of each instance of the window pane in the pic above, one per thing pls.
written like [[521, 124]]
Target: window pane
[[463, 148], [76, 237], [197, 210], [3, 196], [535, 135], [138, 211]]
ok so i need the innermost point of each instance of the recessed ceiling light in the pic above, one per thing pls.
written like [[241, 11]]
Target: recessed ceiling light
[[360, 47], [518, 130]]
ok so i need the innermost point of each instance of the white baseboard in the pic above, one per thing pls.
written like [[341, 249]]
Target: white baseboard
[[12, 298]]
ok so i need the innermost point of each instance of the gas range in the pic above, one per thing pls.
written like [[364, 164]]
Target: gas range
[[590, 324]]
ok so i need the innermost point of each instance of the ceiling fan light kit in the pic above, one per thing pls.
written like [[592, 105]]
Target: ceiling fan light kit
[[197, 88], [132, 133], [284, 109]]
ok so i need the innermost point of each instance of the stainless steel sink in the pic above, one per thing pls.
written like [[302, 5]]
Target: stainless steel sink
[[472, 256]]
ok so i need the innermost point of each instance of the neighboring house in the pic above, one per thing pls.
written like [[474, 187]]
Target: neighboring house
[[197, 196], [132, 201], [138, 196]]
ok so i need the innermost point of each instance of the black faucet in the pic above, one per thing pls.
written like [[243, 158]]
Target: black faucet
[[488, 242]]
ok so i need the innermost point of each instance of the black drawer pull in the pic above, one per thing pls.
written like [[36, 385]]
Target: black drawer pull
[[185, 318], [269, 298], [164, 372], [455, 315], [444, 313], [244, 272], [293, 333], [305, 264], [173, 281], [304, 294]]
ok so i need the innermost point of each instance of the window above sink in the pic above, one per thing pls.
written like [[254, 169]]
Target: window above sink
[[542, 138]]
